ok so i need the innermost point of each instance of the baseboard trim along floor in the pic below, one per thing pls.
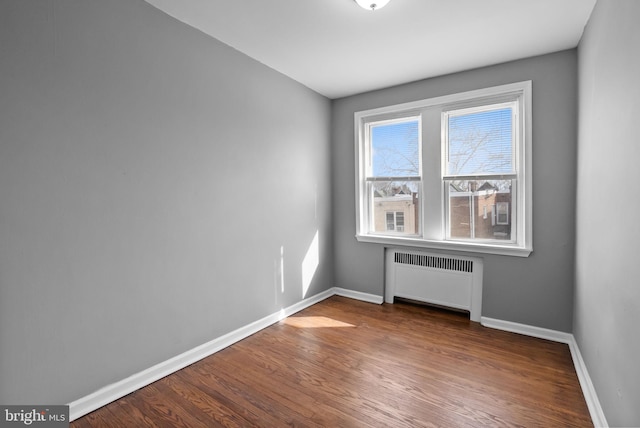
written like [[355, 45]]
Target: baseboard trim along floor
[[117, 390], [588, 390]]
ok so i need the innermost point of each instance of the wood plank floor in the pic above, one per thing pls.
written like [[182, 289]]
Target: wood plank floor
[[345, 363]]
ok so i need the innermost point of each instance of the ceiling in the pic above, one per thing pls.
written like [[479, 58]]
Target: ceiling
[[338, 49]]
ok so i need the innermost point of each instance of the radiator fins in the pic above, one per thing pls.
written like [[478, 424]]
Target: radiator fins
[[444, 263]]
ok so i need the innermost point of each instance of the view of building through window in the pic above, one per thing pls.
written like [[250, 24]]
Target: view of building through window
[[396, 204], [480, 210]]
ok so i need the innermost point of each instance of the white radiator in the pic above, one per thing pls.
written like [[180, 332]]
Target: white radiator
[[444, 280]]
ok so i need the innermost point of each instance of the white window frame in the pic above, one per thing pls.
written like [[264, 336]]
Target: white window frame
[[432, 208]]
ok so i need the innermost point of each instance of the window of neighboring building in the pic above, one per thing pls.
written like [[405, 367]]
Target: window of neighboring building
[[399, 221], [502, 213], [430, 171], [395, 221]]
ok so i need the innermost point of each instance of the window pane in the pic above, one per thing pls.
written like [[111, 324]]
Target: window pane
[[470, 200], [395, 150], [481, 143], [395, 207]]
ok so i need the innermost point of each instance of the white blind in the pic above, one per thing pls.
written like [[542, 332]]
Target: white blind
[[395, 149], [481, 142]]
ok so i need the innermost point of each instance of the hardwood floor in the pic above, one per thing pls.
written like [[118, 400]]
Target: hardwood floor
[[345, 363]]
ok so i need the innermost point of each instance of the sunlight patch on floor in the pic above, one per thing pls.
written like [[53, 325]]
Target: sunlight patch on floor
[[315, 322]]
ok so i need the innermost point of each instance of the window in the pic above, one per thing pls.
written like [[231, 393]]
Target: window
[[395, 221], [502, 213], [392, 177], [451, 172], [479, 148]]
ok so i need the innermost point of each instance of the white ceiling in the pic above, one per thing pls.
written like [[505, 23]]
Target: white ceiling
[[337, 48]]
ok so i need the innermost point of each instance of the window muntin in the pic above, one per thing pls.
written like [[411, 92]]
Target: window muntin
[[499, 177]]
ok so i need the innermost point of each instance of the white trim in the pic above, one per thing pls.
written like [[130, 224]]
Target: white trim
[[114, 391], [588, 390], [469, 247], [358, 295], [500, 91], [527, 330]]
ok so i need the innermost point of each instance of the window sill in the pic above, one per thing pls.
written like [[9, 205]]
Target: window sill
[[483, 248]]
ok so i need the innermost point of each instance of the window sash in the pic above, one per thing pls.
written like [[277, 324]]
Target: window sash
[[369, 169], [381, 207], [456, 112], [503, 236], [486, 141]]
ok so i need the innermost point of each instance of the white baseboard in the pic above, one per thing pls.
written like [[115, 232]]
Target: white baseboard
[[588, 390], [527, 330], [358, 295], [115, 391]]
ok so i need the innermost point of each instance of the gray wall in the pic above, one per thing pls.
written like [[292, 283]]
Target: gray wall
[[150, 176], [537, 290], [607, 298]]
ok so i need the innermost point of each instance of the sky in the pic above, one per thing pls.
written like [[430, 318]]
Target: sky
[[479, 142], [395, 150]]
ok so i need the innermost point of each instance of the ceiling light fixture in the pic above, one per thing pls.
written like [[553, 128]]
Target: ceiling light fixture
[[372, 4]]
